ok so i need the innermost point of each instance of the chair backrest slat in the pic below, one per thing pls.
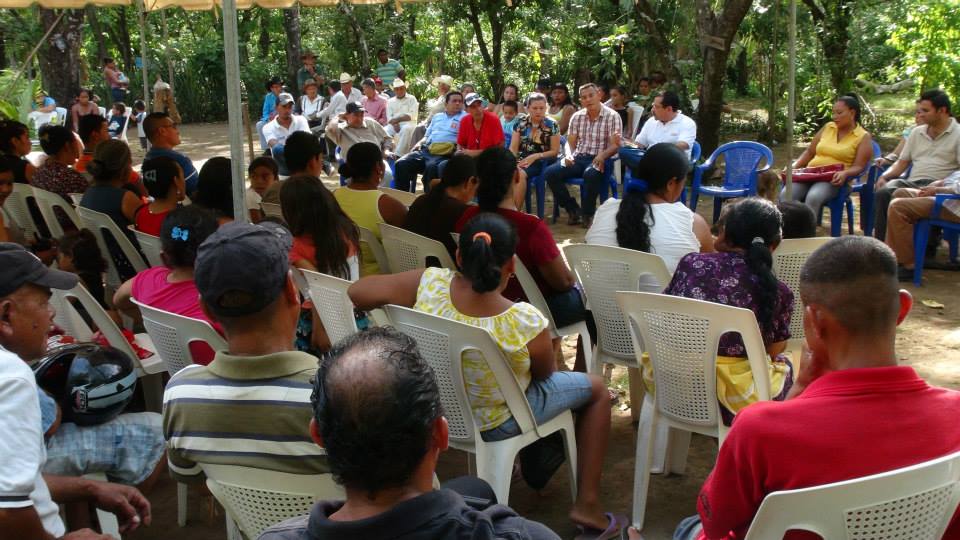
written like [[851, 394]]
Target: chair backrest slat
[[150, 245], [788, 260], [408, 250], [333, 305], [172, 335], [51, 205], [19, 209], [100, 225], [376, 247]]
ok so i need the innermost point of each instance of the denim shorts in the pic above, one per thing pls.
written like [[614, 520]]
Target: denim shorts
[[561, 391]]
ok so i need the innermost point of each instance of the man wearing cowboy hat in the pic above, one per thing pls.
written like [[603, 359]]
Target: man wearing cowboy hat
[[338, 102], [309, 70], [402, 110]]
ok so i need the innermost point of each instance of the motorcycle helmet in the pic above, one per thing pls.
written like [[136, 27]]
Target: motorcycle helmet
[[92, 383]]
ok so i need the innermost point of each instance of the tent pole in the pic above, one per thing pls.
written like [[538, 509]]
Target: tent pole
[[231, 49], [791, 92], [143, 50]]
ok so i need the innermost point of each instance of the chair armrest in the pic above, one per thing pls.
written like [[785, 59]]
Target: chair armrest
[[938, 203], [698, 173]]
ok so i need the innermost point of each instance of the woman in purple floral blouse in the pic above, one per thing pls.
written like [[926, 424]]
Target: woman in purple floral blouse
[[740, 274]]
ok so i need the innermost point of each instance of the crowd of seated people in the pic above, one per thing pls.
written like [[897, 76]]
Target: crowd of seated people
[[237, 276]]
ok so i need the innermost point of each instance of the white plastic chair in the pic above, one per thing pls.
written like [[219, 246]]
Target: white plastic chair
[[150, 246], [172, 335], [256, 499], [601, 272], [271, 209], [408, 250], [405, 197], [329, 296], [16, 205], [915, 502], [788, 259], [535, 297], [376, 247], [442, 343], [99, 223], [681, 335], [48, 201]]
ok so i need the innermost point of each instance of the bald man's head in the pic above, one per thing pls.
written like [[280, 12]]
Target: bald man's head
[[855, 279], [375, 402]]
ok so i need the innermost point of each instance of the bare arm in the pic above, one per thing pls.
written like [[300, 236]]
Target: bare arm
[[392, 210], [29, 170], [515, 143], [894, 171], [565, 119], [860, 162], [129, 205], [557, 275], [376, 291], [808, 152], [702, 231], [126, 502], [121, 298], [542, 360]]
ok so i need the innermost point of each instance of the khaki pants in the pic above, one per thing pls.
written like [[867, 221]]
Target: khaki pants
[[905, 210]]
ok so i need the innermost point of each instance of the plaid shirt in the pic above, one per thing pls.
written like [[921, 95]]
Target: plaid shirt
[[594, 135]]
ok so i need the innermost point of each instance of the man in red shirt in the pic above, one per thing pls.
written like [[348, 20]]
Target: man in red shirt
[[852, 412], [481, 128]]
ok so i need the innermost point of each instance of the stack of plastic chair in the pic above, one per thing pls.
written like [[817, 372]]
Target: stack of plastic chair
[[681, 336], [921, 235], [916, 502], [442, 343], [742, 166]]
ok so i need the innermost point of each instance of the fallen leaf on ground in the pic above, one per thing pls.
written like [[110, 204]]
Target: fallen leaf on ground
[[932, 304]]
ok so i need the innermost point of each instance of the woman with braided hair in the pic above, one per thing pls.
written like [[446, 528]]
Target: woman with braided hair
[[740, 274]]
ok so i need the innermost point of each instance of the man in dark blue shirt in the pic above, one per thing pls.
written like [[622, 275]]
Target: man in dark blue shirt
[[164, 136]]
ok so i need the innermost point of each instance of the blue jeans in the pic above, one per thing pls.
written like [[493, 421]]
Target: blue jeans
[[421, 161], [561, 391], [593, 182]]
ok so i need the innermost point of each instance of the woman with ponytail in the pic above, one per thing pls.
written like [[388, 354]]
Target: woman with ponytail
[[740, 274], [475, 297], [650, 217], [435, 214]]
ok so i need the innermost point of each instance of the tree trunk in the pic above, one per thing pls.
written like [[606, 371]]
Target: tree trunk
[[124, 44], [743, 73], [831, 20], [716, 31], [3, 49], [91, 13], [291, 26], [263, 41], [646, 16], [358, 34], [492, 54], [60, 55]]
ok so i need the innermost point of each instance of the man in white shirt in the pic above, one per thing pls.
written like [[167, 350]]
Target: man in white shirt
[[27, 507], [338, 101], [667, 124], [278, 129], [356, 127], [402, 111]]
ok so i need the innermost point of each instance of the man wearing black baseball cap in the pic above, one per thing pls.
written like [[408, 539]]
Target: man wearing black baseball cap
[[252, 403], [27, 507], [356, 127]]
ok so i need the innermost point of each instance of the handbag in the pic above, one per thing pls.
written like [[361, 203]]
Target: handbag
[[442, 148], [814, 174]]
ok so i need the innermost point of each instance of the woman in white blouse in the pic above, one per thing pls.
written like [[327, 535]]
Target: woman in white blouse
[[652, 219]]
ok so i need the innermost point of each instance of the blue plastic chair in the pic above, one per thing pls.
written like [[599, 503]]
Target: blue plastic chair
[[921, 235], [694, 158], [611, 184], [741, 169], [538, 183], [863, 184]]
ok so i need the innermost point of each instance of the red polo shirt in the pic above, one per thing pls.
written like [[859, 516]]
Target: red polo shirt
[[846, 424], [490, 134]]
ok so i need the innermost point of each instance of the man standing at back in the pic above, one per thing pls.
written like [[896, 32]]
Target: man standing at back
[[164, 135], [251, 405], [377, 412], [852, 412], [387, 68]]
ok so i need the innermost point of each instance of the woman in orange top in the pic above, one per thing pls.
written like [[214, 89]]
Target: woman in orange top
[[841, 142]]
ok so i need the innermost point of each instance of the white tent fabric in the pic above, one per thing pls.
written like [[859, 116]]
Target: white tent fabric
[[152, 5]]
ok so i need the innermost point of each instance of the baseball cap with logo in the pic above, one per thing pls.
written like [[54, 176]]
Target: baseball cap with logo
[[284, 99], [241, 269], [19, 267], [472, 98]]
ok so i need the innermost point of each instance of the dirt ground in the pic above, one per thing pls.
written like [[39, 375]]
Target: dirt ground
[[929, 340]]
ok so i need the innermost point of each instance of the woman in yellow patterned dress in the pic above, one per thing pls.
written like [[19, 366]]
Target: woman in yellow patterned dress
[[485, 253]]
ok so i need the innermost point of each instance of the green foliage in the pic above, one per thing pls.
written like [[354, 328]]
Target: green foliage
[[928, 39]]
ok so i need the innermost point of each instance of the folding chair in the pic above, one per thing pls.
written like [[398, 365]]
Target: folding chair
[[915, 502], [536, 298], [376, 247], [681, 336], [333, 305], [150, 245], [100, 225], [442, 343], [50, 204], [408, 250], [788, 260], [601, 272], [256, 499], [742, 167]]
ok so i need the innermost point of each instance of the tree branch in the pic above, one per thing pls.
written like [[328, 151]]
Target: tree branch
[[474, 17]]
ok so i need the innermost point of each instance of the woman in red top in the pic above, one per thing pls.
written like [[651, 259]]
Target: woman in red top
[[480, 130], [536, 248], [163, 179]]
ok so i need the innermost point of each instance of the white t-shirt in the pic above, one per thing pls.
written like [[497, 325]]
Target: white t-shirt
[[671, 236], [22, 450], [274, 131], [407, 105], [141, 116], [251, 199], [681, 129], [308, 107]]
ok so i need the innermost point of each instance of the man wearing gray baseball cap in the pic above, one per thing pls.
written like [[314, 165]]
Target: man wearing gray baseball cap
[[27, 507], [252, 402]]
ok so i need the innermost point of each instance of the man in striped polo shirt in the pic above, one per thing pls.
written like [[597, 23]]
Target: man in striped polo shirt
[[251, 405], [387, 68]]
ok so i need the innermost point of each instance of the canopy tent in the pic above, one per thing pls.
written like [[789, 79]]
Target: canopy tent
[[231, 56]]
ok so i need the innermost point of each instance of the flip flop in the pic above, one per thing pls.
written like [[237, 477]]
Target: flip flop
[[625, 535], [617, 525]]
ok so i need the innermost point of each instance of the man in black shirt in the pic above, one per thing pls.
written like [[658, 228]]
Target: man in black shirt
[[377, 412]]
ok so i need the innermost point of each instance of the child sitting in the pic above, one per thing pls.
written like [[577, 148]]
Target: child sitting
[[508, 119], [163, 179], [262, 172], [117, 120]]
